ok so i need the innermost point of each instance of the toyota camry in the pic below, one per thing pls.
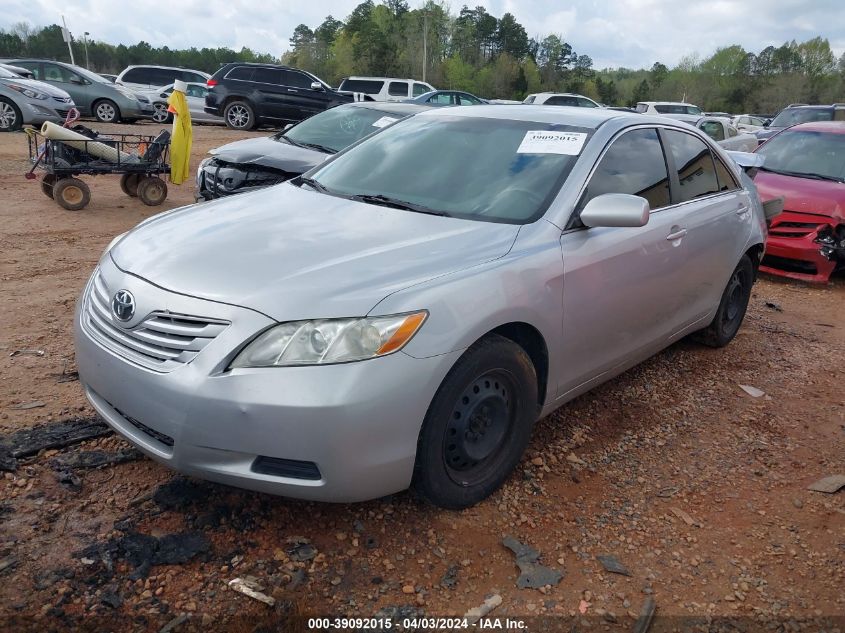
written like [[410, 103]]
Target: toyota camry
[[402, 314]]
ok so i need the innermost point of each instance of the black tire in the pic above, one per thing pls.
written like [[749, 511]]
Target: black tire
[[239, 115], [106, 111], [11, 118], [732, 307], [48, 181], [477, 426], [161, 115], [129, 184], [152, 191], [72, 194]]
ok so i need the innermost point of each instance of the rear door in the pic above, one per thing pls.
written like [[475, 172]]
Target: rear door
[[716, 214], [273, 100], [397, 90], [624, 288]]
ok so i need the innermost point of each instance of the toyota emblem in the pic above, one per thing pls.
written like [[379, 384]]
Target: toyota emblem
[[123, 305]]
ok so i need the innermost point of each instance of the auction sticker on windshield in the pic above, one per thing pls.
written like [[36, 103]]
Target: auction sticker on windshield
[[383, 121], [552, 142]]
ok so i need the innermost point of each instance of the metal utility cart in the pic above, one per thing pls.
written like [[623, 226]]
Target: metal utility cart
[[140, 160]]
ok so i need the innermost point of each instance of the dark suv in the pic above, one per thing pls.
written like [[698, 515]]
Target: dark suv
[[247, 95], [799, 113]]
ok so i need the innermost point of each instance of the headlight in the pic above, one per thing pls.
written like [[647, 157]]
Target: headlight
[[28, 92], [127, 93], [329, 341]]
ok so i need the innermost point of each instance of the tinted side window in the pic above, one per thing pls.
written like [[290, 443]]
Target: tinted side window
[[35, 67], [397, 89], [586, 103], [695, 166], [633, 164], [562, 101], [297, 80], [240, 72], [442, 98], [162, 76], [420, 89], [135, 76], [195, 77], [467, 100], [368, 86], [726, 179], [268, 76]]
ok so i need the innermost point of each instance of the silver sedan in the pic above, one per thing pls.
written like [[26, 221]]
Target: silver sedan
[[402, 314]]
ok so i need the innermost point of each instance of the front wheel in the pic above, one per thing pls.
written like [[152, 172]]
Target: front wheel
[[106, 111], [732, 307], [10, 117], [239, 115], [477, 426], [160, 114]]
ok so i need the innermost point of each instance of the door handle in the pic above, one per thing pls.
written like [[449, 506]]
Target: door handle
[[292, 90], [676, 235], [742, 210]]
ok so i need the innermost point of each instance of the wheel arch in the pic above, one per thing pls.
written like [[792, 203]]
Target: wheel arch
[[534, 345], [755, 254], [100, 100]]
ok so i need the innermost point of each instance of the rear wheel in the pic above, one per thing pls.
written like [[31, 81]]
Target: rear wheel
[[129, 184], [72, 194], [478, 425], [106, 111], [152, 191], [239, 115], [48, 182], [10, 117], [732, 307]]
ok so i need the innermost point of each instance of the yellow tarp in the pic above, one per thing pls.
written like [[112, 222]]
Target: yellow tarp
[[180, 141]]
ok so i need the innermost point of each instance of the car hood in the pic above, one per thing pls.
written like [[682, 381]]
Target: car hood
[[41, 86], [803, 195], [292, 253], [270, 153]]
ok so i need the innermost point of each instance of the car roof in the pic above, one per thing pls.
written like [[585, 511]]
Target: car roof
[[160, 66], [829, 127], [567, 115]]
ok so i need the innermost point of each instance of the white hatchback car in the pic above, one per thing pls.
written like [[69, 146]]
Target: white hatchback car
[[385, 88]]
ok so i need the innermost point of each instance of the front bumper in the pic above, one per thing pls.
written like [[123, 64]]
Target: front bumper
[[136, 110], [36, 113], [792, 249], [358, 423], [216, 179]]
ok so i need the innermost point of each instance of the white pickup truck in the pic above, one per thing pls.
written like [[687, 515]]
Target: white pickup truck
[[725, 134]]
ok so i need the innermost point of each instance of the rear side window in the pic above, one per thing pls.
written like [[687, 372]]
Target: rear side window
[[397, 89], [442, 99], [694, 163], [713, 129], [529, 99], [586, 103], [195, 77], [136, 76], [642, 107], [420, 89], [634, 164], [562, 101], [368, 86], [468, 100], [244, 73], [726, 180], [269, 76]]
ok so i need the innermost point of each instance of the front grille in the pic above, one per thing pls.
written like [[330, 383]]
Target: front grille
[[793, 229], [63, 99], [230, 178], [163, 341]]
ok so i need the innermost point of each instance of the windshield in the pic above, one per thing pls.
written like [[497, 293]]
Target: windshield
[[791, 116], [805, 153], [338, 128], [471, 167], [89, 75]]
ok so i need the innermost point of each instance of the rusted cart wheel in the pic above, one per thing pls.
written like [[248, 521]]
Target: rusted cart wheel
[[152, 191], [129, 184], [48, 182], [72, 194]]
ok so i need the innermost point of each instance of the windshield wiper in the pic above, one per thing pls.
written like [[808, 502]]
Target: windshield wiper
[[314, 184], [798, 174], [387, 201], [318, 147]]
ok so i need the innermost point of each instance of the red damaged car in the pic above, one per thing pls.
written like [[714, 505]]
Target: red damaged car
[[805, 164]]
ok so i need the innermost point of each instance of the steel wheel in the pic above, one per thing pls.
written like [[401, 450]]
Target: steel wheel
[[10, 118], [479, 422], [106, 111]]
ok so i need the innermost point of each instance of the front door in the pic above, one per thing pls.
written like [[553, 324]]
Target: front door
[[623, 288]]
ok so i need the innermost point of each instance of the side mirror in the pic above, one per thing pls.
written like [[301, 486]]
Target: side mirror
[[316, 85], [78, 81], [287, 127], [616, 209]]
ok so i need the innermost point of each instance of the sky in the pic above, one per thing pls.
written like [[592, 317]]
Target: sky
[[630, 33]]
